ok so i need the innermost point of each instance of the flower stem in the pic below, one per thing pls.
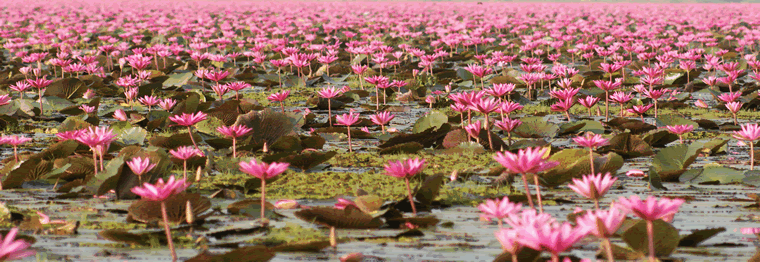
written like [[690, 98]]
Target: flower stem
[[751, 155], [608, 249], [527, 191], [411, 199], [333, 240], [349, 139], [94, 160], [168, 231], [555, 257], [15, 154], [234, 147], [184, 171], [263, 200], [514, 257], [329, 111], [488, 133], [190, 132], [591, 160], [650, 233], [538, 193]]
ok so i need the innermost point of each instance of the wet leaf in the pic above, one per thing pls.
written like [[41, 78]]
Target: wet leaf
[[308, 246], [536, 127], [269, 125], [429, 189], [635, 126], [147, 211], [699, 236], [434, 119], [304, 160], [67, 88], [659, 137], [712, 173], [427, 138], [405, 148], [339, 218], [369, 203], [624, 253], [672, 161], [628, 146], [178, 79], [174, 141], [133, 136], [252, 208], [244, 254], [570, 128], [574, 163], [142, 239], [107, 179], [666, 238]]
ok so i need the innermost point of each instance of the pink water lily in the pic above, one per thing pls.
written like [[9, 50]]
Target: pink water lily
[[527, 161], [406, 169], [160, 192], [263, 171]]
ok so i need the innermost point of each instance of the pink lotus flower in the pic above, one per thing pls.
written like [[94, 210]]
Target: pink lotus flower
[[603, 224], [237, 86], [140, 166], [636, 173], [167, 104], [508, 239], [701, 104], [344, 203], [680, 130], [188, 120], [280, 97], [160, 192], [650, 210], [473, 130], [348, 120], [120, 115], [508, 125], [563, 106], [382, 119], [729, 97], [406, 169], [750, 230], [263, 171], [234, 132], [286, 204], [185, 153], [640, 110], [12, 249], [5, 99], [149, 101], [553, 238], [220, 90], [14, 141], [499, 209], [593, 186], [734, 107], [329, 93], [527, 161], [750, 133]]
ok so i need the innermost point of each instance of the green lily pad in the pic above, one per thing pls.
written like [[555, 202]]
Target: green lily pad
[[699, 236], [673, 161], [712, 173], [666, 238], [434, 119], [133, 136], [536, 127], [628, 146]]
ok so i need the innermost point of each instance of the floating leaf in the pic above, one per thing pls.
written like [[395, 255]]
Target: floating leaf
[[671, 120], [635, 126], [339, 218], [244, 254], [536, 127], [142, 239], [369, 203], [427, 138], [133, 136], [405, 148], [699, 236], [628, 146], [672, 161], [304, 160], [666, 237], [251, 208], [712, 173], [268, 125], [67, 88], [659, 137], [147, 211], [178, 79], [434, 119]]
